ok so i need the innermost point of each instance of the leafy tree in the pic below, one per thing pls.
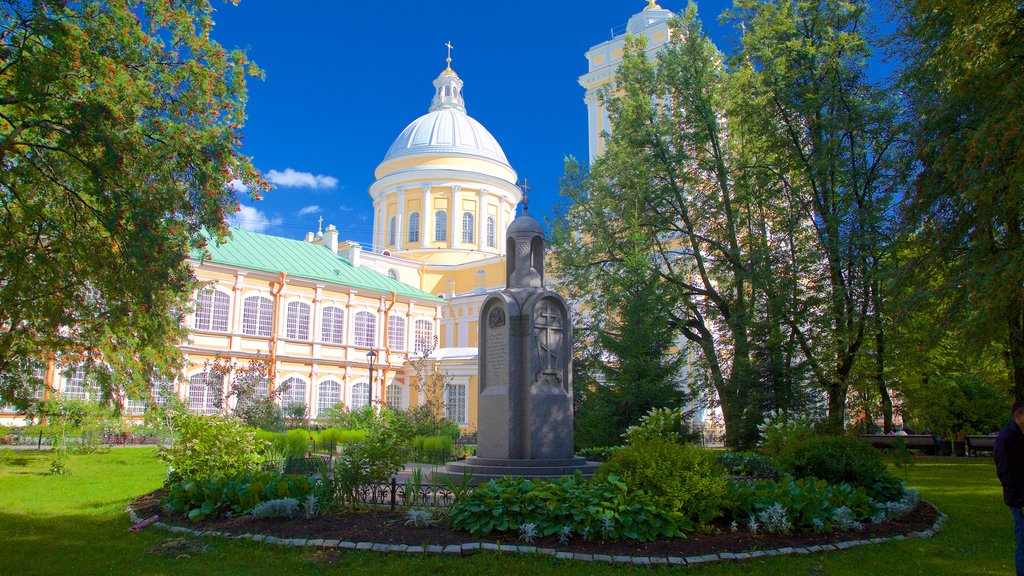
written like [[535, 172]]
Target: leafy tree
[[119, 133], [662, 200], [249, 387], [827, 137], [964, 80]]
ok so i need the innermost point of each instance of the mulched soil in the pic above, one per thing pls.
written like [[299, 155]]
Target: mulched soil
[[385, 527]]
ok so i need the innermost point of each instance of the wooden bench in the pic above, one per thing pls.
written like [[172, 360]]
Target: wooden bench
[[924, 442], [976, 443]]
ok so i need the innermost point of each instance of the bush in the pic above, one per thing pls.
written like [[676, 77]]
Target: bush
[[838, 460], [747, 464], [287, 508], [679, 477], [663, 423], [340, 437], [599, 508], [374, 459], [210, 446], [778, 430], [238, 494], [597, 454], [800, 504]]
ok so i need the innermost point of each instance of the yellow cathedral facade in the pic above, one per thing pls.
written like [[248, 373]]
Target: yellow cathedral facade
[[319, 309]]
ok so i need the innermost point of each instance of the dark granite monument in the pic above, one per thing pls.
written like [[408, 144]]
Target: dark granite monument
[[525, 357]]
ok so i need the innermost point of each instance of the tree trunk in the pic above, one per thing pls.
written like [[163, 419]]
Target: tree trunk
[[1016, 347]]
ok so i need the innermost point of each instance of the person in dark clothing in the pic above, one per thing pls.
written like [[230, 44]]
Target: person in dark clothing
[[1009, 456]]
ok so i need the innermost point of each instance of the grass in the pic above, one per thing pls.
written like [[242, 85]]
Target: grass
[[77, 525]]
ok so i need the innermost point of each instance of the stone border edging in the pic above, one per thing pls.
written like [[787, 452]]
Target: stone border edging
[[465, 549]]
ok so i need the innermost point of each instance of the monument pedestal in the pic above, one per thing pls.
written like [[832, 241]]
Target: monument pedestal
[[484, 469]]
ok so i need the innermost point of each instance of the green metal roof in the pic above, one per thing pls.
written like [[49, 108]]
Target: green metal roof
[[301, 260]]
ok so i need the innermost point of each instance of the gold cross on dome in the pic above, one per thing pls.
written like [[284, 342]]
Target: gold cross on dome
[[652, 4], [449, 45]]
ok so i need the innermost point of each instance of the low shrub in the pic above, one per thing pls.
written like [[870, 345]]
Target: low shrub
[[679, 477], [838, 460], [663, 423], [802, 504], [210, 446], [435, 443], [341, 436], [747, 464], [237, 494], [287, 508], [778, 430], [597, 454], [598, 508]]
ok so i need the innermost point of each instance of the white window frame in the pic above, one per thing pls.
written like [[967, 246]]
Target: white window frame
[[360, 395], [491, 235], [441, 226], [329, 393], [423, 335], [289, 394], [396, 332], [414, 227], [391, 231], [258, 316], [393, 396], [456, 403], [364, 329], [297, 314], [201, 395], [468, 231], [332, 324], [213, 307]]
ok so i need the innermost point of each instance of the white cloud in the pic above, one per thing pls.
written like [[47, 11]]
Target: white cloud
[[309, 210], [238, 186], [251, 219], [345, 208], [293, 179]]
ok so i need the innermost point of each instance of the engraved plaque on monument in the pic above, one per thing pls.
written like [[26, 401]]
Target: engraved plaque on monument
[[525, 409]]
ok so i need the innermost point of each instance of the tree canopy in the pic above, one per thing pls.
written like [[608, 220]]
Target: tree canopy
[[120, 135]]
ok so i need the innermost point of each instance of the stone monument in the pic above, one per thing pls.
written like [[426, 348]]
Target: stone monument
[[525, 409]]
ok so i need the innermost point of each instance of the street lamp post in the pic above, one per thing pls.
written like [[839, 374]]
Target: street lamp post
[[371, 356]]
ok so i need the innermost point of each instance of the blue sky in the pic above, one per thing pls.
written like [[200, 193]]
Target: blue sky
[[344, 78]]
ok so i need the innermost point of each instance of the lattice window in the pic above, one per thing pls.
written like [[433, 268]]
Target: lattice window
[[293, 392], [455, 406], [297, 323], [258, 316], [365, 329], [424, 334], [212, 310], [414, 227], [332, 326], [396, 332], [391, 231], [203, 393], [467, 227], [490, 232], [393, 396], [329, 395], [360, 395], [440, 226], [78, 384]]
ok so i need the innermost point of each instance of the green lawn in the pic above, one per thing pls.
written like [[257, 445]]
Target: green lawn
[[77, 525]]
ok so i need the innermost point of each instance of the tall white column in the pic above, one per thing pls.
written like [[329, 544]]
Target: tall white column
[[378, 227], [500, 232], [481, 219], [426, 219], [400, 218]]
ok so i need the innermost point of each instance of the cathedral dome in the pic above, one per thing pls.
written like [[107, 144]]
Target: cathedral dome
[[444, 132]]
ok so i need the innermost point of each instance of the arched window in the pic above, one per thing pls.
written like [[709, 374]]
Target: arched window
[[365, 329], [414, 227], [329, 395], [159, 391], [297, 322], [393, 396], [391, 231], [490, 232], [293, 393], [467, 227], [455, 403], [360, 395], [440, 226], [393, 274], [332, 326], [203, 393], [212, 310], [257, 316], [79, 385], [396, 332], [424, 336]]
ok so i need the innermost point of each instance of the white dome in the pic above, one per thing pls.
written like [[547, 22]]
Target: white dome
[[443, 132]]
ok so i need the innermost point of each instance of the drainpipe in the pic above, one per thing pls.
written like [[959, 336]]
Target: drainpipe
[[275, 290], [387, 347]]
